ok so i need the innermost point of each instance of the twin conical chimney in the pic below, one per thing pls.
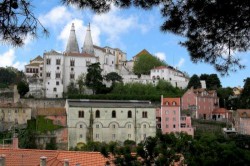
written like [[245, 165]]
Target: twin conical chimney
[[72, 45]]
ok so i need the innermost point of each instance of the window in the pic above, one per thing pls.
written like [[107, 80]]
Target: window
[[144, 114], [57, 67], [144, 126], [80, 135], [97, 126], [167, 103], [129, 114], [16, 111], [41, 74], [88, 63], [72, 69], [47, 74], [58, 61], [167, 118], [58, 75], [72, 62], [174, 112], [97, 136], [48, 61], [174, 119], [113, 126], [174, 126], [81, 114], [41, 68], [174, 103], [113, 136], [57, 82], [183, 125], [97, 114], [113, 114], [54, 89], [72, 76], [80, 126], [167, 112], [129, 126], [166, 125]]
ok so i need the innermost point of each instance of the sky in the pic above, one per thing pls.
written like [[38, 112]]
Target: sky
[[130, 30]]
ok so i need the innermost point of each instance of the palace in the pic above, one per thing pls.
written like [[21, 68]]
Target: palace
[[50, 76]]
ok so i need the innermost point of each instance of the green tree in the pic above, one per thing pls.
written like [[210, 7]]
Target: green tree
[[81, 82], [94, 77], [51, 145], [213, 82], [23, 88], [72, 89], [113, 77], [224, 94], [27, 139], [142, 65], [245, 96], [194, 82], [209, 27]]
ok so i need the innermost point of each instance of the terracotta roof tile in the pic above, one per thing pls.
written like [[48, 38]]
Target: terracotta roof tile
[[31, 157], [171, 100], [52, 111]]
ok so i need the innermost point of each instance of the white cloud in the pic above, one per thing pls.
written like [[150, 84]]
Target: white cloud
[[8, 58], [113, 24], [161, 56], [180, 63], [57, 16]]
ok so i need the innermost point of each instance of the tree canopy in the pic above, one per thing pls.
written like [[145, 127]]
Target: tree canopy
[[194, 82], [17, 22], [94, 77], [212, 29], [212, 81], [142, 65]]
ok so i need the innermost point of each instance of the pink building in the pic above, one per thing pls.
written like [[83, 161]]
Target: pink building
[[201, 101], [242, 121], [170, 119]]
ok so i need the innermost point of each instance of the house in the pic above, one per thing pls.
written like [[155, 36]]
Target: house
[[14, 115], [170, 74], [109, 120], [242, 121], [171, 119], [221, 114], [59, 117], [201, 101], [34, 157]]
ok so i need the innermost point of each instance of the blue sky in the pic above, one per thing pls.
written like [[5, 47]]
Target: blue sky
[[131, 30]]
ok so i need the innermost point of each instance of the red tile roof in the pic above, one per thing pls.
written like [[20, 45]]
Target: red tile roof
[[170, 101], [31, 157]]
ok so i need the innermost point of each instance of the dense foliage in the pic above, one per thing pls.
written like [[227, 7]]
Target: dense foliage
[[212, 29], [212, 81], [142, 65], [23, 88], [245, 96], [10, 76], [194, 82]]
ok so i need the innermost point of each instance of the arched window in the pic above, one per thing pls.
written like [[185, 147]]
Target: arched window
[[81, 114], [129, 114], [167, 103], [174, 103], [144, 114], [113, 114], [97, 114]]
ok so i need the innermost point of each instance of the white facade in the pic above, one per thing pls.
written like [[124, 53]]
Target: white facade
[[116, 120], [175, 77]]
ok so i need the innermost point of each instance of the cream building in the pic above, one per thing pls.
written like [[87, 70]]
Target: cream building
[[109, 120]]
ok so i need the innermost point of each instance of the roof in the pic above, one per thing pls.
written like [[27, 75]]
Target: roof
[[78, 54], [52, 111], [110, 103], [34, 64], [52, 52], [31, 157], [72, 45], [171, 100], [220, 111], [99, 48], [243, 113], [38, 58], [13, 105], [160, 67], [143, 52]]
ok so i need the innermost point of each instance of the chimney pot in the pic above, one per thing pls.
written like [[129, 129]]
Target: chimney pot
[[43, 161]]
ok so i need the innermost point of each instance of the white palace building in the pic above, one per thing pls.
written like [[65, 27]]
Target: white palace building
[[49, 76]]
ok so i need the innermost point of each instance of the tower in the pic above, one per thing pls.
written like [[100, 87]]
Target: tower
[[72, 45], [88, 44]]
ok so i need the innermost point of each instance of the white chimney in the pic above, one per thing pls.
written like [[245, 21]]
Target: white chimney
[[2, 160], [66, 162], [43, 161]]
